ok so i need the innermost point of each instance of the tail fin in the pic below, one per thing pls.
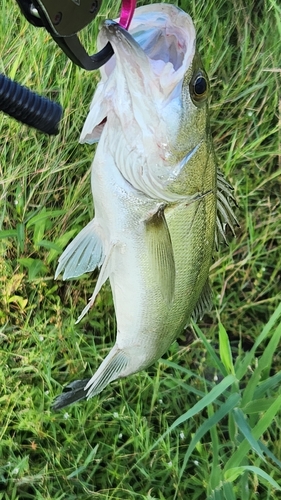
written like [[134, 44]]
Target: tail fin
[[112, 368], [82, 255], [75, 393]]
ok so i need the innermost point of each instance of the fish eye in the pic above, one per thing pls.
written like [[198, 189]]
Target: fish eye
[[199, 87]]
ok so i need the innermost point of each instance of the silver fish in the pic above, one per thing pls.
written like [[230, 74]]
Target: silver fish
[[159, 200]]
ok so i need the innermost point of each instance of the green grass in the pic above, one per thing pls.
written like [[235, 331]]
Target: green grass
[[203, 423]]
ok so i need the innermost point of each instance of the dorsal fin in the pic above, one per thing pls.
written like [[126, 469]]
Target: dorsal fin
[[225, 213], [204, 302]]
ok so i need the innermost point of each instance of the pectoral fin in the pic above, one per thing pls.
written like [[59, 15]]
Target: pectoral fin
[[82, 255], [160, 252]]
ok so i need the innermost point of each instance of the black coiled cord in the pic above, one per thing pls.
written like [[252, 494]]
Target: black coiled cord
[[28, 107]]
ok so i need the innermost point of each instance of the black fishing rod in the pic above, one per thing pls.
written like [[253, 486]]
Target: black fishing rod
[[29, 107], [63, 19]]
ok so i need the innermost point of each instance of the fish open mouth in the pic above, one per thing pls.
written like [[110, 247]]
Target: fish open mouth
[[161, 36], [157, 44], [144, 76]]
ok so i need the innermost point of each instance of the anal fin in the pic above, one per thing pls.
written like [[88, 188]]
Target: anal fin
[[112, 368]]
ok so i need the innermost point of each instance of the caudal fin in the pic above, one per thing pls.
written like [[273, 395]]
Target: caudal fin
[[82, 255], [112, 368], [75, 391]]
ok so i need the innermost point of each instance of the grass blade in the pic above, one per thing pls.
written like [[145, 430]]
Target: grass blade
[[235, 472], [217, 362], [246, 431], [264, 362], [217, 391], [225, 350], [243, 367], [263, 424], [225, 408]]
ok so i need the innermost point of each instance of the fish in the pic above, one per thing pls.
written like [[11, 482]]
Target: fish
[[161, 204]]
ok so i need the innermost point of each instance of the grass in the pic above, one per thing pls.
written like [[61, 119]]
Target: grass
[[203, 423]]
